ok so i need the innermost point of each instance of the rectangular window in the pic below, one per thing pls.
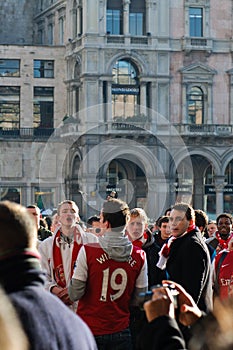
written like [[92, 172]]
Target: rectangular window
[[9, 68], [50, 34], [40, 36], [136, 23], [12, 194], [43, 69], [9, 107], [61, 31], [44, 198], [113, 22], [195, 21], [43, 107]]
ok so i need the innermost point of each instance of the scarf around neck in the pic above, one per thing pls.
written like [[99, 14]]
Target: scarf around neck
[[223, 243], [165, 250], [76, 239]]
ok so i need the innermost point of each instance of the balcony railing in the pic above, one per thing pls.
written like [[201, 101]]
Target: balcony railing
[[121, 39], [203, 44], [114, 127], [204, 129]]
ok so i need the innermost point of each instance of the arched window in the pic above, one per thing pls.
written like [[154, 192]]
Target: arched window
[[229, 173], [125, 89], [195, 105]]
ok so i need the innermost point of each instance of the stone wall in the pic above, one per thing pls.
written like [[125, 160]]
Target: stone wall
[[16, 22]]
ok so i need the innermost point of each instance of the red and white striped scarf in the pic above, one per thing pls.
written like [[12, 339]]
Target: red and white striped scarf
[[165, 250], [59, 274]]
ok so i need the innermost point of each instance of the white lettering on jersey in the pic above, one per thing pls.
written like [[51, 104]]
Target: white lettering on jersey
[[104, 257], [112, 280], [132, 262]]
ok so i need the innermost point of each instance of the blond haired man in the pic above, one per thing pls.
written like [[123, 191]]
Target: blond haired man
[[59, 252]]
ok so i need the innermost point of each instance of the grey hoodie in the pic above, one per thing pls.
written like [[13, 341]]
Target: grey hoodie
[[116, 245]]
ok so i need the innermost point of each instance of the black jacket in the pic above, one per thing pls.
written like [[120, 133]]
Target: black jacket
[[48, 323], [189, 265], [151, 248]]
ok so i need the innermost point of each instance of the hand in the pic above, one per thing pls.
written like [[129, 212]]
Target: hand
[[161, 304], [189, 312], [62, 293]]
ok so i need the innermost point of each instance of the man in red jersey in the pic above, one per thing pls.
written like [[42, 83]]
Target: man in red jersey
[[107, 279], [223, 272]]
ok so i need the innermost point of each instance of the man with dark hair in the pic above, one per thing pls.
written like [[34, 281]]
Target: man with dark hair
[[43, 233], [223, 235], [186, 258], [107, 277], [47, 322], [93, 225], [201, 220], [163, 233]]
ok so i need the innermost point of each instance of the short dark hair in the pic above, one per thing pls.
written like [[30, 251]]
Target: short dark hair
[[201, 218], [116, 212], [224, 215], [186, 208], [162, 219], [91, 219]]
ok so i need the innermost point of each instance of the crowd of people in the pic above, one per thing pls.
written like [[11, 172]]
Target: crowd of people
[[116, 282]]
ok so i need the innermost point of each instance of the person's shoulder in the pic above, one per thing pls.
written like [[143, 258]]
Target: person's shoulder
[[88, 237], [44, 302], [46, 243], [137, 251]]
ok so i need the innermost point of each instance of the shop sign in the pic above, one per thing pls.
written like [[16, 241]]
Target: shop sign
[[125, 90], [210, 189]]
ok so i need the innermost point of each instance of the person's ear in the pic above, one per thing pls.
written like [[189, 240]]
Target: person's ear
[[106, 224]]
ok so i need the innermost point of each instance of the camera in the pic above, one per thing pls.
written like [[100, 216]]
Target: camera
[[143, 297]]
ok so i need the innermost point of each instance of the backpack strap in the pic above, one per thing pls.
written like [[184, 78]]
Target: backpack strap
[[217, 270]]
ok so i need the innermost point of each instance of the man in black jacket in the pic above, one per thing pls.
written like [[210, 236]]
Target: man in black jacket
[[47, 322], [186, 258]]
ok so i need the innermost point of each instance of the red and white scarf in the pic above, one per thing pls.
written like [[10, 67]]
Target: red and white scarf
[[165, 250], [59, 274], [223, 243]]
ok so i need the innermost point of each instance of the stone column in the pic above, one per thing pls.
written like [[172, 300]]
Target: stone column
[[126, 17], [74, 101], [219, 187], [109, 101], [142, 97], [150, 16]]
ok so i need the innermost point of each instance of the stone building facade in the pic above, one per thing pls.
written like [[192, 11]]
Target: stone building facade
[[128, 95]]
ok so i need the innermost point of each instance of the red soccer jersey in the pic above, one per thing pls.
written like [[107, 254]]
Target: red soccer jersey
[[110, 284], [225, 276]]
